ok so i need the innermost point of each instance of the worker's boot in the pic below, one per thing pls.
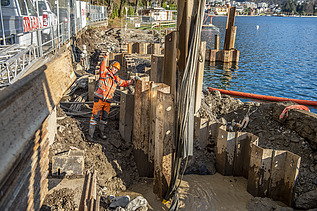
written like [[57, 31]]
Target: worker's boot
[[91, 132], [102, 131]]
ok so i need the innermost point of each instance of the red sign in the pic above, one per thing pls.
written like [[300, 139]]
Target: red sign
[[30, 23]]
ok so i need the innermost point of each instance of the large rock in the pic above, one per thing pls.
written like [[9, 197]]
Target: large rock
[[303, 122], [120, 201], [307, 200], [136, 203]]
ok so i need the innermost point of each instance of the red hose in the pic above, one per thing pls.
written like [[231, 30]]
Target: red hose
[[264, 97]]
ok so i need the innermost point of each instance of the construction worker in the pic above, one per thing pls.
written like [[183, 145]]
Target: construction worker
[[103, 96]]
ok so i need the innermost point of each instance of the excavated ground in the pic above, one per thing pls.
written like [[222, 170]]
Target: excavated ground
[[113, 159]]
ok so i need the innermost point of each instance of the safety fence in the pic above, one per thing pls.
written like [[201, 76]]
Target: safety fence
[[45, 25]]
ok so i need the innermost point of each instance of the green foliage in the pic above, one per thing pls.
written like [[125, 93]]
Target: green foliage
[[289, 6], [164, 5], [130, 11], [140, 4], [302, 9], [115, 12], [173, 6]]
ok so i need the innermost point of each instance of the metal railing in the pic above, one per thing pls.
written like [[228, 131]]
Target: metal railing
[[15, 60], [38, 41]]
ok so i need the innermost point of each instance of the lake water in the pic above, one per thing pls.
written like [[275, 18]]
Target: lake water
[[279, 58]]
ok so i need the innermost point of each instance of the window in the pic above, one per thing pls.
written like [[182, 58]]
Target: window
[[22, 7], [5, 3], [31, 9], [42, 7]]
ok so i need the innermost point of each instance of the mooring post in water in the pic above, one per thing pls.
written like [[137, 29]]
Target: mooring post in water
[[217, 42], [229, 54], [229, 38]]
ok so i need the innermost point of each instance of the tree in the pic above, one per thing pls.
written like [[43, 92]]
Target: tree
[[308, 8], [130, 11], [122, 4], [115, 12], [289, 6]]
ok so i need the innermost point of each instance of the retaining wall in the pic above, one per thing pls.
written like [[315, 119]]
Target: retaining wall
[[27, 127]]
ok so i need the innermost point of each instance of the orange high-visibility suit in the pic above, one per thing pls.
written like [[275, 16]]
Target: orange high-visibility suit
[[106, 87]]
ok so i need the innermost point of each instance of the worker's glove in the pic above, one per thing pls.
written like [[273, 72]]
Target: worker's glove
[[135, 79], [106, 54]]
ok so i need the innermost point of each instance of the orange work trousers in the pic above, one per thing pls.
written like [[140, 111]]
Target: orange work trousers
[[100, 111]]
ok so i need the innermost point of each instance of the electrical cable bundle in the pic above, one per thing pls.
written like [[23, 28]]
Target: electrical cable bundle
[[185, 105]]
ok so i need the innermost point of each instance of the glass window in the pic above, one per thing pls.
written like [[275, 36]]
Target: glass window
[[5, 3], [31, 9], [42, 7], [22, 7]]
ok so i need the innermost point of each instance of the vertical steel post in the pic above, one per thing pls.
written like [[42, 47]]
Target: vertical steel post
[[58, 27], [39, 34], [68, 18], [75, 21]]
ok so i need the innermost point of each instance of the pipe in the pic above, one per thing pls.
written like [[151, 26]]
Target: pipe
[[263, 97]]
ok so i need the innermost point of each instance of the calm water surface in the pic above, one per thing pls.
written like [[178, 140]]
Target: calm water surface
[[279, 59]]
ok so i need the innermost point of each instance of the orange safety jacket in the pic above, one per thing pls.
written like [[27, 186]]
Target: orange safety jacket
[[108, 83]]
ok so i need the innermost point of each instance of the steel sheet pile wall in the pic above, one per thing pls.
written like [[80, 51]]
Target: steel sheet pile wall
[[270, 173], [28, 125], [141, 128], [153, 130]]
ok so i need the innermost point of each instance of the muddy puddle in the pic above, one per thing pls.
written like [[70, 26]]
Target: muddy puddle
[[199, 192]]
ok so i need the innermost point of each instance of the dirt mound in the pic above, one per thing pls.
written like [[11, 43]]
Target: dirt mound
[[62, 199]]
